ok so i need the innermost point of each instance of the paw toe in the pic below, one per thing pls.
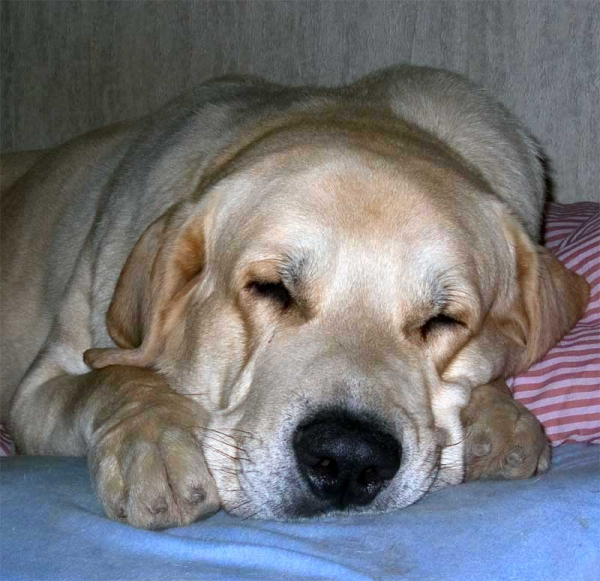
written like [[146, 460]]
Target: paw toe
[[480, 449], [158, 508], [543, 464], [515, 457], [196, 495]]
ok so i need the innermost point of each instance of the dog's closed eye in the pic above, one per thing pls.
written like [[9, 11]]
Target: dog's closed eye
[[440, 323], [275, 292]]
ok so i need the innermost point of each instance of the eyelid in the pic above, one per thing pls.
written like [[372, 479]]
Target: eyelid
[[439, 322], [271, 290]]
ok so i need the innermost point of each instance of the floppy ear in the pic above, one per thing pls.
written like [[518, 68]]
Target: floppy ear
[[547, 301], [162, 268]]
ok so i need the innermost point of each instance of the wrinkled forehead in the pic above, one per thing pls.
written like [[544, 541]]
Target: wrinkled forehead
[[346, 206], [343, 188]]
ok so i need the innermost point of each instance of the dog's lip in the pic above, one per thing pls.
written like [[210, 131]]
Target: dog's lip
[[307, 509], [314, 508]]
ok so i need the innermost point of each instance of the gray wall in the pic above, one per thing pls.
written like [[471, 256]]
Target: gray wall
[[67, 67]]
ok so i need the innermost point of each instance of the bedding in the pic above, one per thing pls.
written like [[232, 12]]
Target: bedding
[[548, 527]]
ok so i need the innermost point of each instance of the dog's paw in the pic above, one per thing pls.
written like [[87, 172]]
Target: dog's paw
[[503, 439], [149, 468]]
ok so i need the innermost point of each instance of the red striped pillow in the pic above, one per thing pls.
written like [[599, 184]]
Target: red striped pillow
[[6, 444], [563, 389]]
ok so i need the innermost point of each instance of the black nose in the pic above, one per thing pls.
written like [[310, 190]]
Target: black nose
[[345, 460]]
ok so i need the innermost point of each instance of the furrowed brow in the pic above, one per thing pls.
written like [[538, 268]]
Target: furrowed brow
[[446, 285], [293, 268]]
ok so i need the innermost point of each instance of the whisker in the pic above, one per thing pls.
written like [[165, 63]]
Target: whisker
[[241, 471], [223, 469], [215, 431], [455, 443], [251, 515], [248, 434], [225, 443], [220, 452], [239, 506]]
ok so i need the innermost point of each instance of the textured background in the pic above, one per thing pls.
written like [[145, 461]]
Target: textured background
[[67, 67]]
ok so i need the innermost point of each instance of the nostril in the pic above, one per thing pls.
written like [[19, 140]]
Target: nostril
[[323, 468], [326, 467], [369, 477]]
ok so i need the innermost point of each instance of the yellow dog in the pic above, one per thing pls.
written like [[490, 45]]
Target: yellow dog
[[292, 301]]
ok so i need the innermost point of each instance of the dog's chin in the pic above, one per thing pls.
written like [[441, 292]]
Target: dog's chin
[[300, 510], [298, 504], [310, 509]]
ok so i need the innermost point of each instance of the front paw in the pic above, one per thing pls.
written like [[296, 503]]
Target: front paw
[[503, 439], [149, 468]]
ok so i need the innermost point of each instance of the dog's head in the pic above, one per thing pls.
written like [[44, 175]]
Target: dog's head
[[330, 299]]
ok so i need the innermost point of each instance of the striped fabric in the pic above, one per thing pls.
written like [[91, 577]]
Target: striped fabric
[[562, 390], [6, 444]]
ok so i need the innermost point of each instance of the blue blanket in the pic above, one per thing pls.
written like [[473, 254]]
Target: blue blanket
[[547, 528]]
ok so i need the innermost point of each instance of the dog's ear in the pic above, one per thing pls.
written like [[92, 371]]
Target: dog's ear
[[544, 302], [551, 300], [163, 267]]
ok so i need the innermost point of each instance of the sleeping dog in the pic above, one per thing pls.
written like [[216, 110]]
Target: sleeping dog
[[282, 301]]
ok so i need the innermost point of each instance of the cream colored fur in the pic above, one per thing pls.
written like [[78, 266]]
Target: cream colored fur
[[400, 213]]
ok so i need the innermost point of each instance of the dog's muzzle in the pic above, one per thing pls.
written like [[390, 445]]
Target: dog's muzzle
[[346, 461]]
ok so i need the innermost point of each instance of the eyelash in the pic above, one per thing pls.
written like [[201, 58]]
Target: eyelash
[[277, 292], [273, 291], [439, 322]]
